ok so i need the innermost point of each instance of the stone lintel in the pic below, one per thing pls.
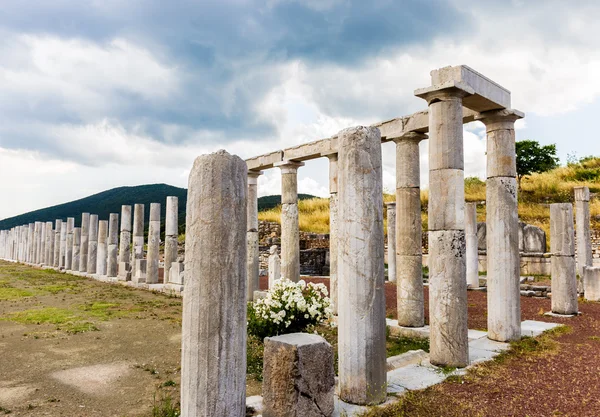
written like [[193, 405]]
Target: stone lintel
[[448, 88], [487, 94], [264, 161], [311, 150]]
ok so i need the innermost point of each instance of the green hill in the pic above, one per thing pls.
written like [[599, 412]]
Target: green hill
[[111, 201]]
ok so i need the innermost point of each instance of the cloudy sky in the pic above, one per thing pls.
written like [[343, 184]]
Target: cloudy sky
[[96, 94]]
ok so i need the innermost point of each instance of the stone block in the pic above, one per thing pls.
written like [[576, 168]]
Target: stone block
[[534, 239], [591, 283], [446, 199], [298, 376], [481, 236], [124, 271], [562, 237], [259, 295], [564, 285], [140, 271], [176, 273]]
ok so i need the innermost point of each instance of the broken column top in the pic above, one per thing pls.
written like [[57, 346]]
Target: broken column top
[[582, 193], [298, 339]]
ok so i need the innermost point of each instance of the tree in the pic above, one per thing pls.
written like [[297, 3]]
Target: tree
[[531, 157]]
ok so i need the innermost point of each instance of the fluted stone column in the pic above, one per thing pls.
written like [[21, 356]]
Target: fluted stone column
[[69, 244], [391, 241], [42, 245], [49, 252], [138, 237], [584, 243], [101, 260], [31, 243], [92, 256], [562, 247], [112, 243], [57, 233], [333, 233], [447, 266], [36, 242], [63, 244], [361, 297], [85, 239], [290, 233], [409, 232], [171, 234], [76, 248], [472, 245], [502, 226], [213, 366], [124, 267], [153, 244], [252, 249]]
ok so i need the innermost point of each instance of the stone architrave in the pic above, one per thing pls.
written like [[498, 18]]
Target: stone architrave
[[447, 266], [76, 249], [252, 247], [274, 266], [112, 246], [584, 243], [298, 376], [409, 232], [138, 238], [471, 245], [124, 266], [391, 241], [92, 255], [591, 283], [85, 239], [562, 247], [101, 261], [290, 232], [153, 244], [333, 225], [361, 298], [69, 244], [171, 235], [213, 365], [57, 233]]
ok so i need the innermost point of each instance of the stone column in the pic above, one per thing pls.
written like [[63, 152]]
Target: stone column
[[57, 233], [102, 248], [409, 232], [76, 248], [42, 245], [584, 243], [85, 239], [153, 244], [125, 245], [274, 266], [92, 259], [49, 254], [31, 243], [472, 245], [333, 232], [112, 243], [290, 235], [562, 247], [252, 236], [213, 365], [171, 234], [63, 244], [591, 283], [502, 226], [36, 240], [447, 266], [69, 244], [391, 241], [361, 297], [138, 237]]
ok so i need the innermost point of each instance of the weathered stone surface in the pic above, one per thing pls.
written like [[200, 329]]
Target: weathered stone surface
[[391, 240], [361, 299], [69, 244], [591, 283], [92, 260], [564, 284], [138, 237], [274, 266], [176, 275], [333, 230], [76, 248], [298, 376], [140, 271], [562, 237], [409, 240], [153, 244], [409, 288], [85, 240], [471, 245], [101, 261], [481, 236], [584, 243], [448, 299], [112, 246], [213, 366], [171, 234], [125, 243], [534, 239], [57, 235], [49, 259], [446, 199]]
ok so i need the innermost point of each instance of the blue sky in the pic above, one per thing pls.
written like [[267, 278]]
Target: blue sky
[[96, 94]]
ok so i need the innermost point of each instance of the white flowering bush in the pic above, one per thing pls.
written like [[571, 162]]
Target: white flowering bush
[[289, 307]]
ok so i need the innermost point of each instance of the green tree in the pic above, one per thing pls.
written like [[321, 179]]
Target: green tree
[[531, 157]]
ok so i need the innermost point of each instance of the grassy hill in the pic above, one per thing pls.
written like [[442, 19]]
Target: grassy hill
[[111, 201], [538, 191]]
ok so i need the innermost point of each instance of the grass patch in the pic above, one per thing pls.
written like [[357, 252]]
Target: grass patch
[[426, 403], [165, 406], [254, 358], [399, 345], [102, 310], [64, 319], [9, 293]]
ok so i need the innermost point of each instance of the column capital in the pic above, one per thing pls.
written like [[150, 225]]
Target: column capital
[[288, 166], [411, 137], [449, 90], [499, 119], [254, 174]]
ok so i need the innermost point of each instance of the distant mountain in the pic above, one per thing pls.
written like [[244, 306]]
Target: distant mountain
[[111, 201]]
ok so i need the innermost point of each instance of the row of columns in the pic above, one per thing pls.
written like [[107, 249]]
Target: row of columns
[[94, 247]]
